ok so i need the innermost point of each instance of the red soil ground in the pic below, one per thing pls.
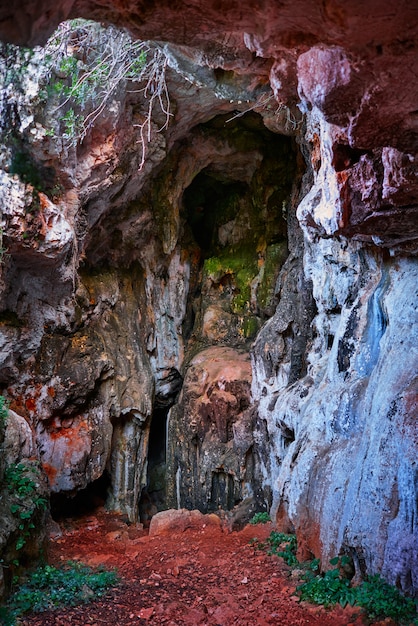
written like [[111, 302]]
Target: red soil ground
[[196, 578]]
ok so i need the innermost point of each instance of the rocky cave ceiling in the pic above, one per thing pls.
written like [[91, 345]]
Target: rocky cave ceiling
[[355, 64]]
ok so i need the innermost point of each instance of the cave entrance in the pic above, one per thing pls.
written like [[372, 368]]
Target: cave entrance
[[235, 212], [153, 496], [81, 503], [210, 201], [242, 193]]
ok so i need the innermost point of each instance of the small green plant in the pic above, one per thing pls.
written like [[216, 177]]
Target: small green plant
[[88, 64], [280, 544], [260, 518], [72, 124], [49, 588], [327, 588], [4, 411], [21, 481], [285, 546], [380, 599]]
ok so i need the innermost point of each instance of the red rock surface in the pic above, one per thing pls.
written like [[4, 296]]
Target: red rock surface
[[202, 576]]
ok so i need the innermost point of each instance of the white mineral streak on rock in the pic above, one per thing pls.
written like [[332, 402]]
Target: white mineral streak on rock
[[322, 205]]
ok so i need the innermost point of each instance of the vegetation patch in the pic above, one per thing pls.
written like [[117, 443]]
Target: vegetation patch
[[23, 483], [88, 66], [378, 598], [49, 588], [260, 518], [4, 411], [241, 265]]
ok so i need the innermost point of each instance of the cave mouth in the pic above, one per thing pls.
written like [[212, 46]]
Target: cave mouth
[[153, 495], [235, 216], [207, 201], [245, 184], [81, 503]]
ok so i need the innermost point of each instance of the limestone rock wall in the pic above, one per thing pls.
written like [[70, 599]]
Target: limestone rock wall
[[274, 222], [343, 437], [210, 433]]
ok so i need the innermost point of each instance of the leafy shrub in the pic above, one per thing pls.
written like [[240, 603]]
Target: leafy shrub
[[380, 599], [260, 518], [327, 589], [21, 482], [49, 588], [374, 595], [377, 598], [285, 546], [280, 544]]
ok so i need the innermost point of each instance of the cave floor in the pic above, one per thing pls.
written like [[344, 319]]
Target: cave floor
[[204, 577]]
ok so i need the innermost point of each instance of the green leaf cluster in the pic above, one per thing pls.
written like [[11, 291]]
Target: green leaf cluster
[[374, 595], [285, 546], [21, 482], [4, 411], [280, 544], [378, 598], [49, 588], [327, 588], [260, 518]]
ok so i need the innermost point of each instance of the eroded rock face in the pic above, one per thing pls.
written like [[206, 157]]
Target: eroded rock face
[[23, 497], [124, 282], [336, 430], [350, 196], [210, 433]]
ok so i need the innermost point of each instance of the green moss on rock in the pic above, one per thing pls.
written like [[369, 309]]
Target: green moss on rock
[[241, 265], [250, 326], [276, 255]]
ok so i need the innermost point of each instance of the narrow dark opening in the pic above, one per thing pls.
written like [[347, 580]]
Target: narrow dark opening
[[208, 202], [222, 492], [288, 434], [81, 503], [153, 496], [345, 157]]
